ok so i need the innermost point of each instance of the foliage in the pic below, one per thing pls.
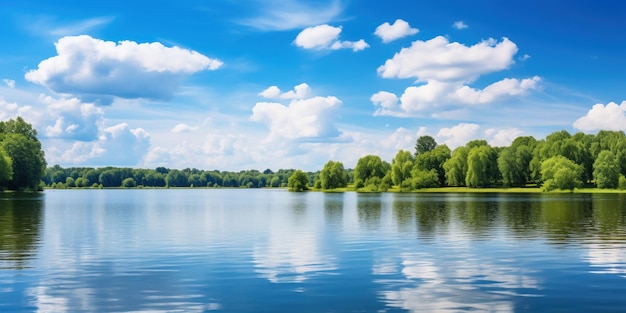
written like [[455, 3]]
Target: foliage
[[298, 181], [456, 167], [606, 170], [401, 167], [424, 144], [368, 167], [481, 166], [434, 160], [424, 179], [18, 140], [129, 183], [333, 175], [6, 169], [561, 173]]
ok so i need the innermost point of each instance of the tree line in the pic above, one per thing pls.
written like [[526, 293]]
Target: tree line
[[561, 161]]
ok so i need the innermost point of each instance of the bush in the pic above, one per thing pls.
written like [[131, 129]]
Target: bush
[[622, 182], [129, 183]]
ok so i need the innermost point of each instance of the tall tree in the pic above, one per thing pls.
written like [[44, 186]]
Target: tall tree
[[6, 169], [560, 172], [370, 168], [434, 160], [424, 144]]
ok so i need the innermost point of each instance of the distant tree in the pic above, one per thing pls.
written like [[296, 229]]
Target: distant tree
[[69, 182], [176, 178], [481, 166], [129, 183], [333, 175], [298, 181], [606, 170]]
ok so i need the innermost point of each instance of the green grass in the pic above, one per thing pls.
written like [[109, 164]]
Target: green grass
[[532, 189]]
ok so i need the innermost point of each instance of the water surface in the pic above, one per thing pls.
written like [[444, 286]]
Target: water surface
[[236, 250]]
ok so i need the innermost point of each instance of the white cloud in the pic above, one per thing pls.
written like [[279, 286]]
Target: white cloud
[[326, 37], [117, 145], [458, 135], [301, 118], [9, 110], [459, 25], [74, 120], [435, 97], [501, 137], [397, 30], [301, 91], [440, 60], [291, 14], [386, 103], [609, 117], [9, 82], [91, 68], [183, 128]]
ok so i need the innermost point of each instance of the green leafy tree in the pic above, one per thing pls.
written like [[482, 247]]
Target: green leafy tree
[[333, 175], [562, 173], [424, 144], [176, 178], [129, 183], [19, 142], [368, 168], [6, 169], [298, 181], [424, 179], [401, 167], [434, 160], [456, 167], [606, 170]]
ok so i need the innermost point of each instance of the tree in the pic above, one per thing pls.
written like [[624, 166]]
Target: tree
[[456, 167], [6, 169], [514, 161], [333, 175], [560, 172], [28, 161], [401, 167], [176, 178], [424, 144], [434, 160], [370, 169], [298, 181], [424, 179], [606, 170], [129, 183]]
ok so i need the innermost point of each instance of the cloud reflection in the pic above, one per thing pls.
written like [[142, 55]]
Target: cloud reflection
[[434, 285]]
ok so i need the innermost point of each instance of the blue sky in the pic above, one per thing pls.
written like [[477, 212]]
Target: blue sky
[[235, 85]]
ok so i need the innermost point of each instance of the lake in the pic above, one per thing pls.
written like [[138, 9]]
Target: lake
[[247, 250]]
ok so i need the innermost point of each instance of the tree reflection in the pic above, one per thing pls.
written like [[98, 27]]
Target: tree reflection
[[431, 216], [566, 217], [20, 225], [478, 214], [609, 215], [369, 209], [333, 208]]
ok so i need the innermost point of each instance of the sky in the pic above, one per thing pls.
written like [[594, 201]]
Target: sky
[[251, 84]]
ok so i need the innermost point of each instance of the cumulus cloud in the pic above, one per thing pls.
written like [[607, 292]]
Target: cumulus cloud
[[459, 25], [301, 118], [74, 120], [444, 71], [9, 110], [9, 82], [326, 37], [608, 117], [435, 96], [118, 144], [390, 32], [502, 137], [458, 135], [91, 68], [438, 59], [301, 91]]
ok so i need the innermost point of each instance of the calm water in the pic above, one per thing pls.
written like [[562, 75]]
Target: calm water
[[275, 251]]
